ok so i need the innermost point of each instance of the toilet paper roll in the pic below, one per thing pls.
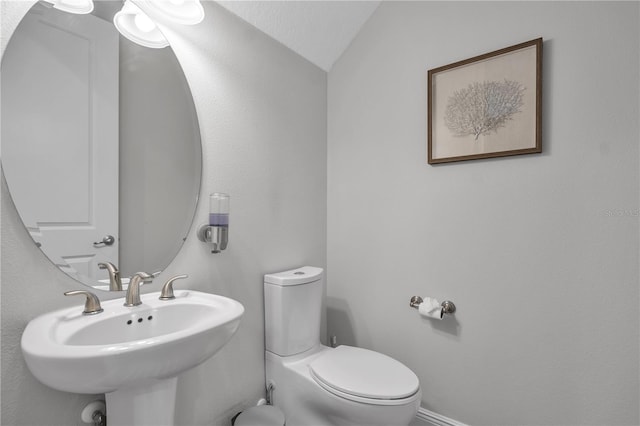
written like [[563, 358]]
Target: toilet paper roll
[[430, 308]]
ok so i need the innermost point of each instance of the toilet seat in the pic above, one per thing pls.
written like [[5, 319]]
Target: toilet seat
[[364, 376]]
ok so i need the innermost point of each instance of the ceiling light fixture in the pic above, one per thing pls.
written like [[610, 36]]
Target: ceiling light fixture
[[134, 21], [136, 25], [73, 6]]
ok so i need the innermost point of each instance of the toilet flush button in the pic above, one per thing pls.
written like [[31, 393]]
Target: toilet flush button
[[298, 273]]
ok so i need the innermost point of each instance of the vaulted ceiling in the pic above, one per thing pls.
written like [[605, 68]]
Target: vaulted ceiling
[[317, 30]]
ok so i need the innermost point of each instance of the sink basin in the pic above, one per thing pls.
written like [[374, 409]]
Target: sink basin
[[128, 347]]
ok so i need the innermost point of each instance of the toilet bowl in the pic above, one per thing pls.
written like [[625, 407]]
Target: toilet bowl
[[317, 385]]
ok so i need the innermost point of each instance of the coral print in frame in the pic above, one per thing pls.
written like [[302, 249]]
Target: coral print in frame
[[486, 106]]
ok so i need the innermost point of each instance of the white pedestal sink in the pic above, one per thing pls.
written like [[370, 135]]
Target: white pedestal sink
[[131, 354]]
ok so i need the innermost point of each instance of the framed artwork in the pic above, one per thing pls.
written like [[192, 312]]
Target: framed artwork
[[486, 106]]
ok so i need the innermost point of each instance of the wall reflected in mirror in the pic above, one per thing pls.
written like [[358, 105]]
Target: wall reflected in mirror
[[100, 139]]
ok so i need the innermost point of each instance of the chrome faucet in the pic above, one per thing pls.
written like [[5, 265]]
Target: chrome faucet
[[115, 283], [133, 291]]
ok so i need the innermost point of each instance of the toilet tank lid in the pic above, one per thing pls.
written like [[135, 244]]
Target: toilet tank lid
[[304, 275]]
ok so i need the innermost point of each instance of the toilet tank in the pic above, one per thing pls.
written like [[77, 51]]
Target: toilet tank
[[292, 310]]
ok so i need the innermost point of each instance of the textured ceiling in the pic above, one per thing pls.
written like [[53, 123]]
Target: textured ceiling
[[317, 30]]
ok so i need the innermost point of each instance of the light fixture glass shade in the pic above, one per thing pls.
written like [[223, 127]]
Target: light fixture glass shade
[[135, 25], [185, 12], [73, 6]]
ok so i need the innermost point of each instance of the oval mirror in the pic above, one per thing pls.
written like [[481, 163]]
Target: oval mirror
[[100, 143]]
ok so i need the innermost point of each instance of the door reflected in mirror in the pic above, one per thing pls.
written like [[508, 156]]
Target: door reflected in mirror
[[100, 143]]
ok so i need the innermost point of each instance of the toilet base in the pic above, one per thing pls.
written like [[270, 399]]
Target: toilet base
[[305, 403]]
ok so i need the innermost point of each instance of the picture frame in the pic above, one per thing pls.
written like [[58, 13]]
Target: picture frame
[[486, 106]]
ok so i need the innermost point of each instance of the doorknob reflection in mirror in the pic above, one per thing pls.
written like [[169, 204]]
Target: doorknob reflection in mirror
[[216, 232], [108, 240]]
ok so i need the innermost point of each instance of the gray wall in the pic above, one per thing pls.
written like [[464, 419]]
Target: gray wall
[[539, 252], [262, 112]]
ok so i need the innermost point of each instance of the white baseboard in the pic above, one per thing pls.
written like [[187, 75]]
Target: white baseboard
[[429, 418]]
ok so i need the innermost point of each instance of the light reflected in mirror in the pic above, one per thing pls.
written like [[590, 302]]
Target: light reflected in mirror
[[100, 143]]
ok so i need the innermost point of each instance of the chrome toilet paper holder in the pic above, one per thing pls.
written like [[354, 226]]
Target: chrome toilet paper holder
[[448, 306]]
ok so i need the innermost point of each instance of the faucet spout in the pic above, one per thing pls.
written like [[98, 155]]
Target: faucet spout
[[133, 291], [115, 283]]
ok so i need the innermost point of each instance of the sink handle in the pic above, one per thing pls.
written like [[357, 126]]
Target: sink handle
[[167, 289], [91, 305]]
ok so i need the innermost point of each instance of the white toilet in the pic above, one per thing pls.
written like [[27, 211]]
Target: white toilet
[[317, 385]]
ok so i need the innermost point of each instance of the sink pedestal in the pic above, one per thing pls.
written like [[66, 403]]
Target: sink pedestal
[[152, 403]]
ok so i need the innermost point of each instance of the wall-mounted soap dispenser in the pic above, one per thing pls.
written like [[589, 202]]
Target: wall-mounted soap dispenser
[[216, 232]]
